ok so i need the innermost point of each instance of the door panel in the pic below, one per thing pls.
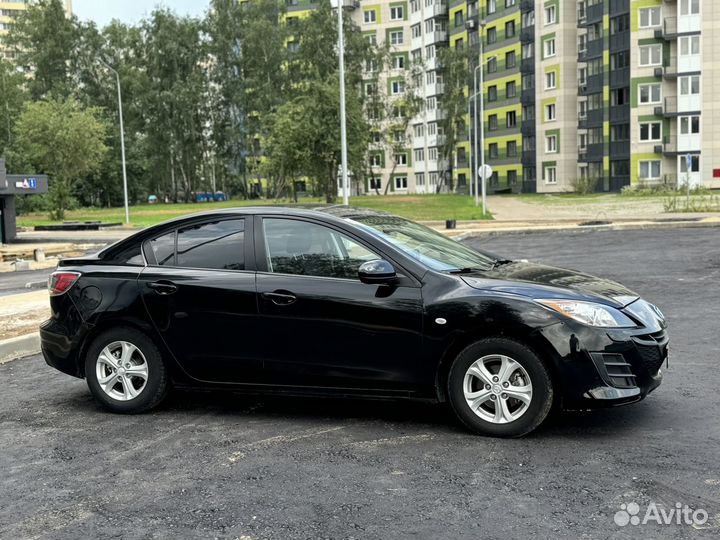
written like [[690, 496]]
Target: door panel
[[323, 326], [207, 315]]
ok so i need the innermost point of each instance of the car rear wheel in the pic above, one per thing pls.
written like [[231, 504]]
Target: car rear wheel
[[499, 387], [125, 371]]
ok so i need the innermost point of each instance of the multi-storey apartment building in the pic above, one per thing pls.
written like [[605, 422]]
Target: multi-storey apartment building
[[598, 93], [9, 11]]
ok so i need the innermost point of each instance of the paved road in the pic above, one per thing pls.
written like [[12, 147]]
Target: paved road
[[14, 282], [229, 466]]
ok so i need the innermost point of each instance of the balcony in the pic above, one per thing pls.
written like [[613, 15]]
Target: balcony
[[669, 29], [434, 89], [438, 36], [594, 14], [669, 108], [620, 113], [438, 9], [620, 41], [619, 149], [416, 42], [527, 97], [595, 48], [527, 5], [595, 118], [527, 127], [595, 152], [527, 35], [527, 65], [620, 77], [528, 158]]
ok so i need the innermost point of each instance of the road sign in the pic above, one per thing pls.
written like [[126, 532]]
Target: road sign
[[485, 172]]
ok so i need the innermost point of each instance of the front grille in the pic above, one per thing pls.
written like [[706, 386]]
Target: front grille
[[653, 350], [616, 370]]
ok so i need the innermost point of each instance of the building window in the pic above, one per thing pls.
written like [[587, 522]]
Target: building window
[[649, 17], [619, 24], [651, 55], [493, 150], [690, 45], [694, 164], [492, 93], [431, 103], [492, 65], [551, 144], [376, 160], [396, 37], [414, 6], [511, 119], [370, 89], [650, 131], [550, 15], [415, 31], [689, 7], [689, 125], [509, 29], [401, 183], [550, 112], [369, 16], [396, 13], [550, 174], [509, 3], [401, 159], [492, 122], [690, 85], [430, 52], [459, 20], [419, 130], [650, 169], [419, 154], [511, 149], [398, 62], [492, 35], [549, 47], [419, 179], [433, 153], [431, 128], [550, 80], [512, 177], [510, 89], [397, 87], [376, 183], [650, 93], [491, 6], [510, 59]]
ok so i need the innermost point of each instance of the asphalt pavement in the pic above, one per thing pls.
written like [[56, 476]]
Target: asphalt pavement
[[229, 466]]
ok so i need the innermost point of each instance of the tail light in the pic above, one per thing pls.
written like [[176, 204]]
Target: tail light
[[61, 281]]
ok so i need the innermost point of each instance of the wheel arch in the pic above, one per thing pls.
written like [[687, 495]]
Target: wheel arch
[[529, 337]]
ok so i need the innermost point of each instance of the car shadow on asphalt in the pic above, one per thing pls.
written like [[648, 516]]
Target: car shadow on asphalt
[[617, 422]]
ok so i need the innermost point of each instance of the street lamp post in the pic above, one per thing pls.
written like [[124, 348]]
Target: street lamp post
[[343, 126], [122, 141], [476, 170]]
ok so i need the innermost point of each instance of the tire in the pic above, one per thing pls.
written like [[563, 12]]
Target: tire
[[526, 402], [146, 382]]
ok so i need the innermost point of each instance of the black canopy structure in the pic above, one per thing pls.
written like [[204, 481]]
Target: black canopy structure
[[12, 185]]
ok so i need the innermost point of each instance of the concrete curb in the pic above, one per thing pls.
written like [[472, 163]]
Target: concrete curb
[[621, 226], [19, 347]]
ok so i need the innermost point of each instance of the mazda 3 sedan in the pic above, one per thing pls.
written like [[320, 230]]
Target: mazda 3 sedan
[[347, 302]]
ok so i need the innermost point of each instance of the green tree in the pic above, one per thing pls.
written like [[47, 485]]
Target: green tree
[[12, 101], [306, 133], [44, 41], [454, 101], [60, 138]]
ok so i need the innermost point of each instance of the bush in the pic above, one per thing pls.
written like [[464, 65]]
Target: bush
[[584, 186]]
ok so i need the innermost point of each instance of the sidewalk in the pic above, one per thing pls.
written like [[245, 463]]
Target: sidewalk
[[21, 314]]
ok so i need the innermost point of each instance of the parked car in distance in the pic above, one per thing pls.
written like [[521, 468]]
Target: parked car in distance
[[351, 302]]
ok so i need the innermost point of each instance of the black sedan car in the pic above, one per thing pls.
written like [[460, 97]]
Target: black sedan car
[[347, 302]]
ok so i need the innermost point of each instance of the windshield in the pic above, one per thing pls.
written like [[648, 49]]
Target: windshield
[[425, 245]]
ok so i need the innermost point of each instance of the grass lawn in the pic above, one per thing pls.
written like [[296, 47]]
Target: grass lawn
[[592, 198], [415, 207]]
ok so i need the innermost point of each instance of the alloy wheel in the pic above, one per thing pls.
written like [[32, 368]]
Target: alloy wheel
[[497, 388], [122, 371]]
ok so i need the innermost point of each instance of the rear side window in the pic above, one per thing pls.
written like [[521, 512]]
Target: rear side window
[[218, 245]]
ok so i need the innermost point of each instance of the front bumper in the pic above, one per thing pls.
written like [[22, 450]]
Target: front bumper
[[601, 367]]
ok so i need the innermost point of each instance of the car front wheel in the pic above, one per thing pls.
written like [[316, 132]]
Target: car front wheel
[[499, 387], [125, 371]]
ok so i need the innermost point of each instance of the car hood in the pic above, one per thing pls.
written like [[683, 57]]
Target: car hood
[[540, 281]]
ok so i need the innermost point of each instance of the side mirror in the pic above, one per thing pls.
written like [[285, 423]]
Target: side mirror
[[377, 272]]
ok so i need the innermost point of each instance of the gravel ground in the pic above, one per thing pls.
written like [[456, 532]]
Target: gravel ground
[[230, 466]]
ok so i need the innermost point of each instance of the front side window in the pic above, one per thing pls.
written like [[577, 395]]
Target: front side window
[[307, 249], [423, 244], [218, 245]]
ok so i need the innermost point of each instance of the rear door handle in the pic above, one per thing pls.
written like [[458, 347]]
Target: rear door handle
[[163, 287], [280, 298]]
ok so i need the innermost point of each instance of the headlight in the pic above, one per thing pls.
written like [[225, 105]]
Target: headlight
[[590, 313]]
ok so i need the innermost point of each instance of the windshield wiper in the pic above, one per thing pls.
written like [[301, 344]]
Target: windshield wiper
[[468, 270], [500, 262]]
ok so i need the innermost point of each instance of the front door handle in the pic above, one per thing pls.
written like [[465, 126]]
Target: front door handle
[[163, 287], [279, 298]]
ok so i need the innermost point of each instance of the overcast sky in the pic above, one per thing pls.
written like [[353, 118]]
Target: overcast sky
[[131, 11]]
